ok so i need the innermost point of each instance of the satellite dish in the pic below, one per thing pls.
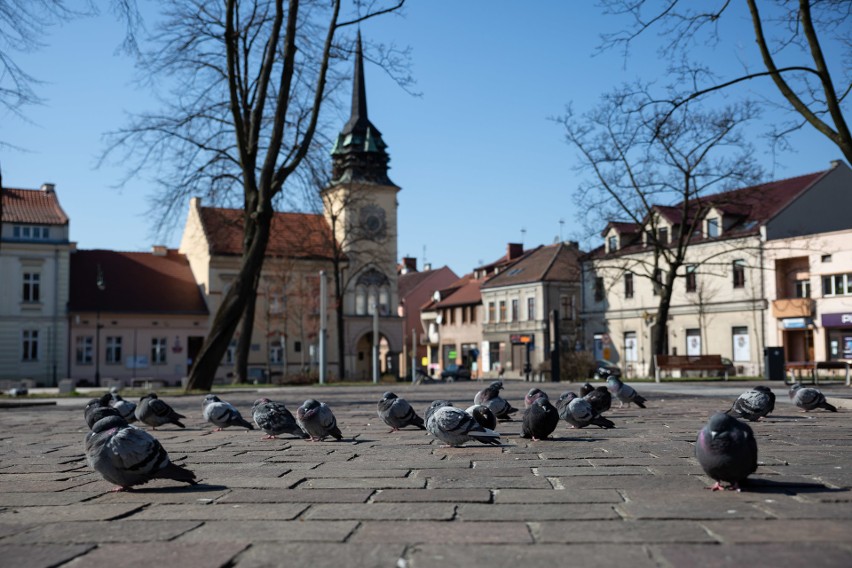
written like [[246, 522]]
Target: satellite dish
[[436, 296]]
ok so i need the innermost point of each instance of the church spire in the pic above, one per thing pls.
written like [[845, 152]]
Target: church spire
[[360, 153]]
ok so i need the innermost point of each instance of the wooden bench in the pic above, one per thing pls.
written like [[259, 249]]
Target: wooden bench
[[796, 371], [688, 363]]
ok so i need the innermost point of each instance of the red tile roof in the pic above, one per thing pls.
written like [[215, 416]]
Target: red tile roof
[[36, 206], [552, 263], [135, 282], [293, 235], [464, 292]]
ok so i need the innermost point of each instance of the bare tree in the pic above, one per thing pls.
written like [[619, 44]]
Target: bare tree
[[23, 27], [656, 169], [804, 49], [250, 78]]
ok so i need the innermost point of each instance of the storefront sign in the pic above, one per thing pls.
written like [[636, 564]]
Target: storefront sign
[[795, 323], [837, 320], [518, 339]]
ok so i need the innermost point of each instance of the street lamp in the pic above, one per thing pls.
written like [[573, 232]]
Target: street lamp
[[99, 281]]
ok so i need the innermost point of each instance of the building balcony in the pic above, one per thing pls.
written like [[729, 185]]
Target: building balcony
[[793, 308]]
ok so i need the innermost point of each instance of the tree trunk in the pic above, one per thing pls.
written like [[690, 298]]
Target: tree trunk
[[244, 341], [233, 305]]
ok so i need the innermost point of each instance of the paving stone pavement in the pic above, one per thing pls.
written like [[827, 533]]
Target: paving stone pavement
[[633, 495]]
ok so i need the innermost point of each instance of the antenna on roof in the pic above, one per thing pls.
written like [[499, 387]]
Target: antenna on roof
[[561, 223], [523, 234]]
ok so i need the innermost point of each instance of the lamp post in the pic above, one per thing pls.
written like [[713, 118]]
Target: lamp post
[[376, 338], [101, 287]]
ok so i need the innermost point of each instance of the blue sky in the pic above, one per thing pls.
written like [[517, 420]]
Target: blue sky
[[479, 162]]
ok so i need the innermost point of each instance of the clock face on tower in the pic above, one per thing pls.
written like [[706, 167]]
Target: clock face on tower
[[373, 222]]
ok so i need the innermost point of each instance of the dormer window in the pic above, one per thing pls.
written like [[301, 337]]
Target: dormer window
[[663, 235], [713, 227], [30, 233], [612, 243]]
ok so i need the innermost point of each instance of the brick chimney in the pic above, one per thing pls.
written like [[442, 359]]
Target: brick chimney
[[514, 250], [159, 250], [409, 264], [48, 188]]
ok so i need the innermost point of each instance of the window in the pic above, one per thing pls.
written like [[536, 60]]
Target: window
[[613, 244], [803, 289], [531, 308], [663, 235], [473, 314], [495, 350], [628, 284], [825, 258], [28, 232], [516, 311], [739, 273], [450, 315], [837, 285], [658, 281], [29, 345], [360, 300], [464, 311], [713, 227], [84, 349], [691, 278], [502, 314], [742, 349], [113, 349], [693, 342], [231, 353], [599, 289], [276, 351], [158, 350], [297, 346], [491, 313], [32, 287]]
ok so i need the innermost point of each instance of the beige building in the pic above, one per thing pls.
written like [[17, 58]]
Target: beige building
[[719, 301], [34, 252]]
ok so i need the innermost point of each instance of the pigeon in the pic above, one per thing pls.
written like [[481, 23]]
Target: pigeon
[[586, 389], [533, 394], [317, 420], [397, 413], [624, 393], [726, 450], [125, 408], [95, 410], [579, 412], [222, 414], [540, 420], [483, 415], [454, 426], [274, 419], [753, 404], [436, 404], [599, 398], [489, 392], [808, 398], [154, 412], [129, 456]]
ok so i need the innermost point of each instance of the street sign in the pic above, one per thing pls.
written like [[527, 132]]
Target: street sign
[[521, 339]]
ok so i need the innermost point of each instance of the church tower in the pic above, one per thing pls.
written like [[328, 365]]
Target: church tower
[[361, 208]]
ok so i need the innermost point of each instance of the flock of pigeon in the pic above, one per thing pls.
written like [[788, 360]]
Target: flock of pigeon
[[126, 455]]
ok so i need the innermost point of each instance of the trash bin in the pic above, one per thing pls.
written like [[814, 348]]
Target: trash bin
[[773, 363]]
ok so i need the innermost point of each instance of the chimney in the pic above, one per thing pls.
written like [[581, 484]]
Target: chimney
[[48, 188], [409, 264], [159, 250], [427, 266], [514, 250]]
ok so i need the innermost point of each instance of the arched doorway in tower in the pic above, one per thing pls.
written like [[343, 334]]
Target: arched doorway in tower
[[364, 359]]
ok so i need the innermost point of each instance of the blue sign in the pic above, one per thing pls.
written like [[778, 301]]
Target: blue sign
[[795, 323]]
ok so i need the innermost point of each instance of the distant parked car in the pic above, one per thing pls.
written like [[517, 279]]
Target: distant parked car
[[611, 369], [455, 373]]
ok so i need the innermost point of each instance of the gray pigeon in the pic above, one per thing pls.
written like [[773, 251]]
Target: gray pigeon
[[753, 404], [454, 427], [600, 399], [125, 408], [808, 398], [533, 394], [274, 419], [397, 413], [624, 393], [540, 420], [579, 412], [128, 456], [95, 410], [726, 450], [489, 392], [436, 404], [483, 415], [586, 389], [154, 412], [222, 414], [317, 420]]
